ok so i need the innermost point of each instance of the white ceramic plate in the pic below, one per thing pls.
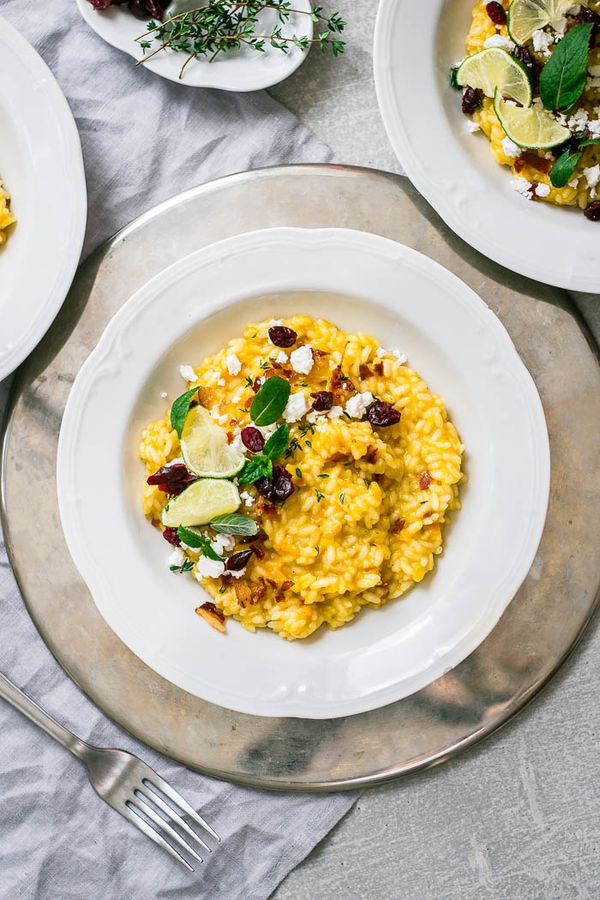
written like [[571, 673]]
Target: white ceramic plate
[[361, 282], [42, 168], [415, 46], [240, 70]]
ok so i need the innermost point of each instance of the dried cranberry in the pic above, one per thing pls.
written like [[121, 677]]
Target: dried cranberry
[[592, 212], [282, 336], [282, 484], [172, 479], [170, 535], [323, 401], [587, 15], [238, 561], [471, 100], [382, 414], [264, 486], [425, 480], [496, 12], [252, 439]]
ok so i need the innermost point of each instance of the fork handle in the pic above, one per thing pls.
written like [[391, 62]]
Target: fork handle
[[13, 695]]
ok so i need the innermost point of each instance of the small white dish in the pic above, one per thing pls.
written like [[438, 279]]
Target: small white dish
[[361, 282], [239, 70], [42, 169], [415, 46]]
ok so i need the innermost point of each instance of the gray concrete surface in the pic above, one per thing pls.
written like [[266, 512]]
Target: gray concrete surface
[[517, 818]]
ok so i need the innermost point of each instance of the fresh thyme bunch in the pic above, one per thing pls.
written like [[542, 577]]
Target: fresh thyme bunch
[[219, 26]]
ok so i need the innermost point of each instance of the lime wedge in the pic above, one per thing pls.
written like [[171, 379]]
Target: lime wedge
[[533, 128], [201, 502], [495, 69], [205, 449], [527, 16]]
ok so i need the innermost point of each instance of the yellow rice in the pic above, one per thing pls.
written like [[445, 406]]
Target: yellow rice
[[579, 195], [6, 217], [331, 548]]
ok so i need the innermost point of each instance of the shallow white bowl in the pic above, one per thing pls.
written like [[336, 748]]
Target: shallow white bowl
[[239, 70], [415, 46], [361, 282], [42, 168]]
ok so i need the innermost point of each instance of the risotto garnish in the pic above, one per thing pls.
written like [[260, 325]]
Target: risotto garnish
[[531, 84], [303, 474]]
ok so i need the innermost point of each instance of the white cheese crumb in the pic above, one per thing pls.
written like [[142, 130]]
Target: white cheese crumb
[[297, 406], [267, 430], [176, 558], [233, 364], [187, 373], [221, 382], [237, 573], [247, 498], [592, 176], [238, 445], [473, 127], [336, 412], [357, 405], [574, 183], [302, 360], [164, 395], [274, 322], [281, 357], [594, 128], [542, 190], [510, 149], [401, 357], [522, 186], [315, 417], [578, 120], [221, 419], [542, 40], [223, 543], [209, 568], [497, 40]]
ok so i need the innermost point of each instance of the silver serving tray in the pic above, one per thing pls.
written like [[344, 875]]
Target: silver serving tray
[[537, 632]]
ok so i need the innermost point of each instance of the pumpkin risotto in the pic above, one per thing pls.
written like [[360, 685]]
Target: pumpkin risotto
[[564, 168], [6, 217], [304, 473]]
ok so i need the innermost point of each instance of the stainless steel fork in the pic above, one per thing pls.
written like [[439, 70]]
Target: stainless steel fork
[[124, 782]]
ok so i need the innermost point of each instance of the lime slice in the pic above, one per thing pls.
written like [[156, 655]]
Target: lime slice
[[533, 128], [201, 502], [205, 449], [527, 16], [495, 69]]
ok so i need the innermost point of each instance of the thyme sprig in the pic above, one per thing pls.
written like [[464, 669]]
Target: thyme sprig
[[219, 26]]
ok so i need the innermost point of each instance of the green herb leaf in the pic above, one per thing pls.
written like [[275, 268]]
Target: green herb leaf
[[589, 142], [187, 566], [180, 410], [197, 541], [318, 495], [258, 467], [277, 443], [564, 167], [270, 401], [235, 523], [453, 80], [563, 77]]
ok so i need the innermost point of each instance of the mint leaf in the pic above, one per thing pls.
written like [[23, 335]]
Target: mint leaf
[[563, 77], [453, 79], [258, 467], [589, 142], [235, 523], [564, 167], [180, 410], [270, 401], [277, 443], [197, 541]]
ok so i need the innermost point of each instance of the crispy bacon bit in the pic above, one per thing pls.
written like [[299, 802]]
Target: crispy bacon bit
[[378, 368], [264, 506], [243, 591], [259, 552], [339, 456], [535, 162], [259, 592], [364, 371], [425, 480], [212, 615], [398, 526], [371, 455], [340, 386]]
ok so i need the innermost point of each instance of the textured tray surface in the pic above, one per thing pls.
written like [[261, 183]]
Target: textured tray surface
[[534, 636]]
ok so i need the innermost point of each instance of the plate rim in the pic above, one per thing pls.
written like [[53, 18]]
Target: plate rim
[[387, 12], [157, 67], [34, 331], [188, 264]]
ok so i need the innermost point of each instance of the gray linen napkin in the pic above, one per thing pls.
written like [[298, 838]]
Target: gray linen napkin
[[144, 139]]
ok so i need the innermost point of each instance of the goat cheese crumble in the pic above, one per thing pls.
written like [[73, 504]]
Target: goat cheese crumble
[[302, 360], [176, 558], [209, 568], [187, 373], [296, 407], [357, 406], [233, 364], [498, 40], [510, 149]]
